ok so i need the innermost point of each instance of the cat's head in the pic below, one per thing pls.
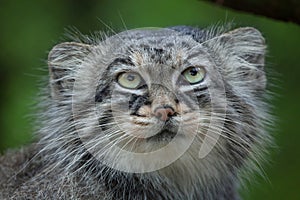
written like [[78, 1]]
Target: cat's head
[[162, 99]]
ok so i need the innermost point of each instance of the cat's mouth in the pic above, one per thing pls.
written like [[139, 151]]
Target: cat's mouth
[[167, 132]]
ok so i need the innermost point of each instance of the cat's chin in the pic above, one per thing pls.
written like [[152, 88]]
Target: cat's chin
[[164, 135]]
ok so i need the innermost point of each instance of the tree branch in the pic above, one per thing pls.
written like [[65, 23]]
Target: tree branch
[[285, 10]]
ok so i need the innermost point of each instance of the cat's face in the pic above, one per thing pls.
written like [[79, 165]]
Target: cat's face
[[143, 100], [153, 95], [157, 91]]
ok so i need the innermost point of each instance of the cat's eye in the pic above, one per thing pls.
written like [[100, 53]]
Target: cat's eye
[[130, 80], [194, 74]]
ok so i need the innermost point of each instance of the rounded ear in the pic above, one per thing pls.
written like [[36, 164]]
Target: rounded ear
[[63, 60], [247, 43], [244, 50]]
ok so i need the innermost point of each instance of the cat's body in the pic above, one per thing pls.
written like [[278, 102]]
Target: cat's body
[[117, 104]]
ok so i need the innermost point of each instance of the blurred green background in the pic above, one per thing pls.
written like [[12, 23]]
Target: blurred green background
[[28, 29]]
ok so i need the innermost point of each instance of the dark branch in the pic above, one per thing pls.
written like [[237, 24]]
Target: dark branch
[[285, 10]]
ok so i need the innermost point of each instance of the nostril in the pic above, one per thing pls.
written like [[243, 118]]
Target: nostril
[[159, 115], [164, 113]]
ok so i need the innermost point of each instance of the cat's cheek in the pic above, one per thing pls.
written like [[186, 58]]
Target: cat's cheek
[[182, 108], [145, 111]]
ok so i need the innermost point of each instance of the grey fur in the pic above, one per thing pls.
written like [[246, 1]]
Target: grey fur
[[60, 167]]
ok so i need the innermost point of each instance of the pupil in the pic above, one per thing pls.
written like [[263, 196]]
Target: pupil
[[193, 71], [130, 77]]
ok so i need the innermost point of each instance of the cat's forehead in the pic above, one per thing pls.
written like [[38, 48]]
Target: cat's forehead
[[156, 46], [164, 39]]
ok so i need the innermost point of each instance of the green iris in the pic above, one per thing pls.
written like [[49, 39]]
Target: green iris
[[129, 80], [194, 74]]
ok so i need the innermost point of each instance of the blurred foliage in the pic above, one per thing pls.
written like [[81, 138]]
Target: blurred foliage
[[30, 28]]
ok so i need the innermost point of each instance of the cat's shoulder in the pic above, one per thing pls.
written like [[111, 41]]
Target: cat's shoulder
[[16, 168]]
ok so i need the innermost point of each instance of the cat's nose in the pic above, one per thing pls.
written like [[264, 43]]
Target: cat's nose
[[164, 113]]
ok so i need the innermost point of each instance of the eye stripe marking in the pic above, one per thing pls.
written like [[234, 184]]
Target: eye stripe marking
[[100, 95]]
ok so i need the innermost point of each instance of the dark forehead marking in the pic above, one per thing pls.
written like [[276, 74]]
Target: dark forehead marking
[[126, 61], [119, 61], [169, 45], [185, 44], [158, 55]]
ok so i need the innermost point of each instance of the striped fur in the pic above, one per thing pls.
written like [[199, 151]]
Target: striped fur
[[66, 162]]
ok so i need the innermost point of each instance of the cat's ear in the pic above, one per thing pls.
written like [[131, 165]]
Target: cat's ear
[[247, 46], [248, 43], [63, 60]]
